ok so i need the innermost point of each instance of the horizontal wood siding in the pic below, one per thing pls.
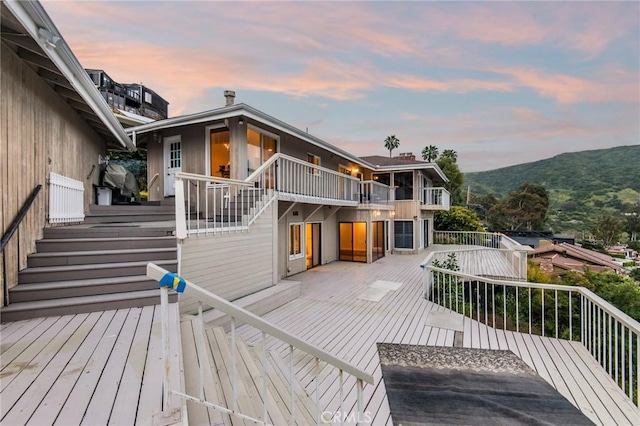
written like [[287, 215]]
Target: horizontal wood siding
[[230, 265], [39, 133]]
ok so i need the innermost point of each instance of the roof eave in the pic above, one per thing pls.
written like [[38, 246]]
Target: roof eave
[[32, 16]]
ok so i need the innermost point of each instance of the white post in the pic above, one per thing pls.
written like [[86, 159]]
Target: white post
[[166, 376]]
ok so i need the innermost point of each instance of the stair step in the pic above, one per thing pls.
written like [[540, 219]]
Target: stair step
[[77, 305], [129, 217], [51, 245], [108, 231], [78, 288], [98, 257], [131, 209], [80, 272]]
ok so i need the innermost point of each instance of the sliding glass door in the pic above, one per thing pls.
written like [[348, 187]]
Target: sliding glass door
[[353, 241]]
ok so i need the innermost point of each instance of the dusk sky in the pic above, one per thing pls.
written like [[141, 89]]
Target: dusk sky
[[499, 82]]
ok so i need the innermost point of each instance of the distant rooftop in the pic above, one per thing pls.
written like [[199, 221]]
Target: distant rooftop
[[401, 160]]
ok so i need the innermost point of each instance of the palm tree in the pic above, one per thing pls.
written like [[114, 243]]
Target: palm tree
[[391, 143], [450, 153], [430, 153]]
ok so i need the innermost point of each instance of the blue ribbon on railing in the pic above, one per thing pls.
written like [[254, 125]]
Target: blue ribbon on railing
[[173, 281]]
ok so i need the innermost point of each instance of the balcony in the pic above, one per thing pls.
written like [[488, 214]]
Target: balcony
[[375, 193], [434, 199]]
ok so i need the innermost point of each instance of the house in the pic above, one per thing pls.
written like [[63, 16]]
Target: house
[[133, 104], [557, 258], [535, 239], [54, 130], [331, 205]]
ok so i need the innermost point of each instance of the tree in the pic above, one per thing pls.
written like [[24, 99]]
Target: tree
[[632, 217], [455, 176], [430, 153], [450, 153], [526, 207], [391, 143], [607, 229], [458, 218]]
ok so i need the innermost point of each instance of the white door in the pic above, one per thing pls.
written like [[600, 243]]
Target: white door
[[172, 163]]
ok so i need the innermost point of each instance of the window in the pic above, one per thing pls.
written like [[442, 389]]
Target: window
[[314, 159], [295, 241], [403, 181], [219, 158], [403, 234], [383, 178]]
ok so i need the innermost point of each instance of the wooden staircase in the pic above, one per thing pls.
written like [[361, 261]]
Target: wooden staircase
[[99, 265], [218, 376]]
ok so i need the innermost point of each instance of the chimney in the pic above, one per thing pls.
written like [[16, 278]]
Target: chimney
[[230, 96], [406, 156]]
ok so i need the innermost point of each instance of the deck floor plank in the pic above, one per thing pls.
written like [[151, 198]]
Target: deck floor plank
[[53, 402], [31, 342]]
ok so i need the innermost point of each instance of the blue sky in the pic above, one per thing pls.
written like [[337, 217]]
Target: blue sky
[[499, 82]]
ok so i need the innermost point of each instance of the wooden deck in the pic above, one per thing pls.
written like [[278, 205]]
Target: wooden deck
[[97, 368], [479, 261], [330, 315]]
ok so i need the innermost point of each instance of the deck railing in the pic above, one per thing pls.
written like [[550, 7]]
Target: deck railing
[[238, 314], [299, 180], [66, 199], [558, 311], [435, 197], [372, 192], [515, 252]]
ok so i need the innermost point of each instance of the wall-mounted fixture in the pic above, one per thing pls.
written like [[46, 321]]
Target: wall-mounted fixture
[[241, 121], [48, 37], [103, 160]]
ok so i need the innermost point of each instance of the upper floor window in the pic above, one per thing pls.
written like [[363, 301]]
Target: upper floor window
[[403, 182]]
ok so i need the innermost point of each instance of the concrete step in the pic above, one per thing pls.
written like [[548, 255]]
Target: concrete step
[[78, 288], [128, 217], [51, 245], [77, 305], [108, 231], [98, 257], [81, 272]]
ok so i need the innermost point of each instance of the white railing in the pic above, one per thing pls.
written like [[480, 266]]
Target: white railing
[[514, 252], [299, 180], [435, 197], [565, 312], [238, 314], [372, 192], [502, 264], [214, 205], [66, 199]]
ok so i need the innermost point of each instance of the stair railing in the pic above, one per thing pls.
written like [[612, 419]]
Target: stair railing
[[549, 310], [170, 280]]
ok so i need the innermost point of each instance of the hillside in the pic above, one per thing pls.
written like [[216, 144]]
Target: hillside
[[581, 185]]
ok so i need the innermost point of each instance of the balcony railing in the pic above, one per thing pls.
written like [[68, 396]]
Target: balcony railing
[[563, 312], [302, 181], [372, 192], [437, 198]]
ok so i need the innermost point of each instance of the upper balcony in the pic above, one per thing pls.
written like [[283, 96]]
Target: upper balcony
[[434, 199]]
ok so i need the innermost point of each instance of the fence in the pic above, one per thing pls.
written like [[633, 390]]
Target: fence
[[66, 199]]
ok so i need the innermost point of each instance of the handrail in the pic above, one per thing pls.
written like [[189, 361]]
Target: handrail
[[203, 178], [21, 215], [217, 302], [314, 166], [603, 304], [13, 228], [152, 181]]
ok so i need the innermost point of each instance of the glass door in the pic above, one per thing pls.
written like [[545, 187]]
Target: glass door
[[378, 240], [313, 244], [353, 241]]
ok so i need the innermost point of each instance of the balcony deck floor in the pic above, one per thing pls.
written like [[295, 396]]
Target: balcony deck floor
[[98, 368], [329, 315]]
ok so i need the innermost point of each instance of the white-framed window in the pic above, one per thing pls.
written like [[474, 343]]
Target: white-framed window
[[314, 159], [295, 240], [403, 234]]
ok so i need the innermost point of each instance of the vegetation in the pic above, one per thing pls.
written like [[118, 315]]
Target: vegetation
[[458, 218], [391, 143], [430, 153], [607, 229], [580, 185], [525, 208]]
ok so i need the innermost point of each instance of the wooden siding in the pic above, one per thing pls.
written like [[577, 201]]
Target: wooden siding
[[230, 265], [39, 133]]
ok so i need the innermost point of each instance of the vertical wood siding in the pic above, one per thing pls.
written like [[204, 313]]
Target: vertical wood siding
[[39, 133]]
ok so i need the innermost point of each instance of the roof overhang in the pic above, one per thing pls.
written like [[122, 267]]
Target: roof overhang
[[433, 168], [30, 32]]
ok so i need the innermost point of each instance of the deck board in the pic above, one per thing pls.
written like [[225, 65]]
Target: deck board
[[85, 368], [329, 316]]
